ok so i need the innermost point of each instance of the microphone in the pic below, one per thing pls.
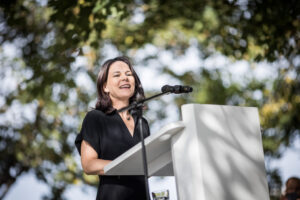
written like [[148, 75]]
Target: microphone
[[176, 89]]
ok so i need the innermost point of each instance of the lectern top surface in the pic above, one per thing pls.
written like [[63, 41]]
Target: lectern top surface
[[130, 162]]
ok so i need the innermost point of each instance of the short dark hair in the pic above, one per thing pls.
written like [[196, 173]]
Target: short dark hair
[[104, 102]]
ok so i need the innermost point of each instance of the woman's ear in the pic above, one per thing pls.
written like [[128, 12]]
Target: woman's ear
[[105, 88]]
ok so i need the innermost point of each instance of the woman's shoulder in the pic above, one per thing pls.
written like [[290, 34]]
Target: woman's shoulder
[[95, 114]]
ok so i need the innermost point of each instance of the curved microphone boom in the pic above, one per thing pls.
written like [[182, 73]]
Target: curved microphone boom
[[176, 89]]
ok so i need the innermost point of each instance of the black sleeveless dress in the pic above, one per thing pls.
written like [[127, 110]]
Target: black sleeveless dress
[[109, 136]]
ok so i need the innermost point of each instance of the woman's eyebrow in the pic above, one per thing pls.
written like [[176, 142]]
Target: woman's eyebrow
[[117, 72]]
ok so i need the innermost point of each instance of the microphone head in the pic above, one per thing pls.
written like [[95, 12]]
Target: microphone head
[[177, 89], [167, 88], [187, 89]]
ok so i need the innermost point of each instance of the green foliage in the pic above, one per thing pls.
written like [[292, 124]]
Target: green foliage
[[49, 36]]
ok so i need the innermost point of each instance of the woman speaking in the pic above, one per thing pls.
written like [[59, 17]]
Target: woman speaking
[[106, 133]]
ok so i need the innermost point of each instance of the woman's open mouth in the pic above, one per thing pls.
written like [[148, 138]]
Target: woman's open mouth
[[125, 86]]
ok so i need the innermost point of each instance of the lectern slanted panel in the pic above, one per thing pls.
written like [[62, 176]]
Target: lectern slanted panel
[[158, 149]]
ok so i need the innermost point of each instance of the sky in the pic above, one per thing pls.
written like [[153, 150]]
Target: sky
[[28, 187]]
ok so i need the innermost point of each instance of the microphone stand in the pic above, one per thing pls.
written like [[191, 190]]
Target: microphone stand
[[137, 108]]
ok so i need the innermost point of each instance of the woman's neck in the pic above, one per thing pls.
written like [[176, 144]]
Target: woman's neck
[[120, 104]]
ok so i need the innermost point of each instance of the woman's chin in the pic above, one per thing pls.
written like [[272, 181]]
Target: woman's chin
[[125, 94]]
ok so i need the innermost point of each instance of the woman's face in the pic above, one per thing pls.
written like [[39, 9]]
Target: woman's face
[[120, 82]]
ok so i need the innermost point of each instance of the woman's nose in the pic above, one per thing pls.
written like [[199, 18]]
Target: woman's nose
[[124, 77]]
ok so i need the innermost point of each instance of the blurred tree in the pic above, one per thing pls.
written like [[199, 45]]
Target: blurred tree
[[48, 37], [44, 76]]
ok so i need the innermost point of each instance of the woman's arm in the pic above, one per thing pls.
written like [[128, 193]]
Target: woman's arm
[[90, 162]]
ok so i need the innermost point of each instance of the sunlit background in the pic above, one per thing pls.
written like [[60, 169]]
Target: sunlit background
[[243, 53]]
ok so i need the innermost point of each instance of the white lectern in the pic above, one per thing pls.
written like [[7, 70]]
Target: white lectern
[[215, 153]]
